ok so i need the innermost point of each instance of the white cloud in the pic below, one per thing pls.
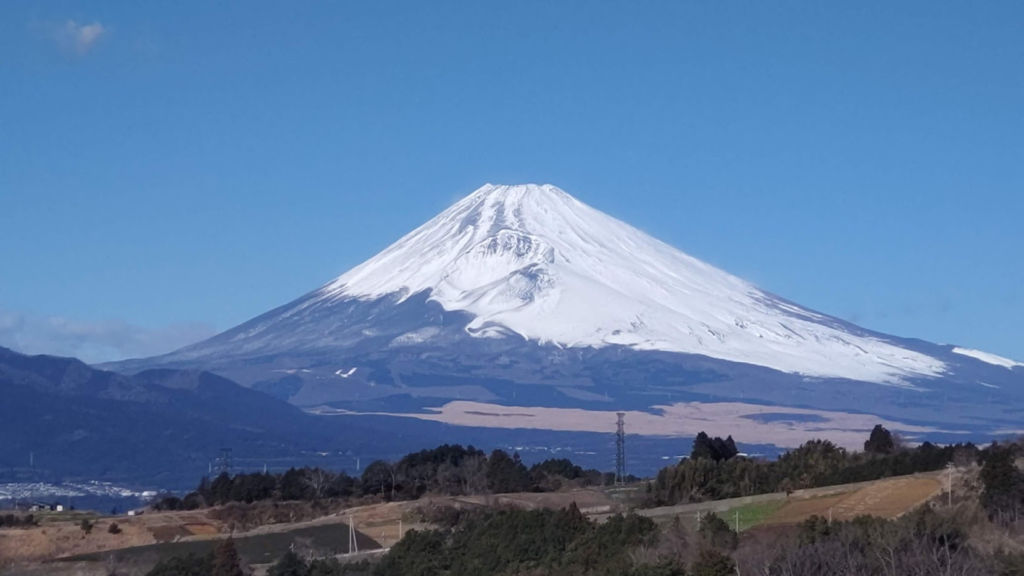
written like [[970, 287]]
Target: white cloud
[[93, 341], [79, 38]]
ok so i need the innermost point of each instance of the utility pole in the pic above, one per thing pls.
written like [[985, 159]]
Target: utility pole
[[737, 521], [225, 460], [350, 533], [353, 543], [949, 482], [620, 449]]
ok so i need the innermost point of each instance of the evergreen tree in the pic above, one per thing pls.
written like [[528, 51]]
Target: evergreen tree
[[707, 448], [730, 446], [331, 567], [506, 474], [419, 553], [716, 533], [289, 565], [205, 491], [226, 561], [220, 489], [703, 449], [293, 485], [880, 441], [1003, 484]]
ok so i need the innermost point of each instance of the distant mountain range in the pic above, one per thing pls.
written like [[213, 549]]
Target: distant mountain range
[[520, 307], [63, 421]]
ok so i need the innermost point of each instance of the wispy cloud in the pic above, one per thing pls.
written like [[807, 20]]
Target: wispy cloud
[[93, 341], [79, 38]]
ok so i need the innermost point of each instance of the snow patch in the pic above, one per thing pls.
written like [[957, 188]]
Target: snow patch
[[416, 336], [345, 374], [988, 358]]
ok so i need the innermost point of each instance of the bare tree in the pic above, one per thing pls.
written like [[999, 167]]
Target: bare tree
[[473, 476], [318, 480]]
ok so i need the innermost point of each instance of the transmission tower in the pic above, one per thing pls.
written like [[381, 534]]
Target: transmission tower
[[620, 450], [225, 460]]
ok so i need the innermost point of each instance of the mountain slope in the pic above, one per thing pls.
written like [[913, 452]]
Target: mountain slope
[[525, 285], [160, 427]]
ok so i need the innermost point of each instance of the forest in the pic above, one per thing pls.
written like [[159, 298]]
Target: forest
[[715, 470], [450, 470]]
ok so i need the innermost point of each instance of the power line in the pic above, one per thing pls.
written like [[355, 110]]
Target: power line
[[620, 449]]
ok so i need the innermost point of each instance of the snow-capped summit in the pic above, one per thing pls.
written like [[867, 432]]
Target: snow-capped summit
[[524, 296], [534, 261]]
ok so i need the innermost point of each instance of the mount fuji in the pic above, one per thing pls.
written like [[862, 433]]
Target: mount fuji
[[522, 307]]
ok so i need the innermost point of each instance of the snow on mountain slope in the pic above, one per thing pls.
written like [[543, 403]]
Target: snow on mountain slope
[[534, 261], [988, 358]]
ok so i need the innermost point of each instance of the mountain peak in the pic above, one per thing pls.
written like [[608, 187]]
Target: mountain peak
[[503, 205], [532, 260], [525, 290], [516, 190]]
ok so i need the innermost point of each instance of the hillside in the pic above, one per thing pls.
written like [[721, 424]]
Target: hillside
[[63, 420]]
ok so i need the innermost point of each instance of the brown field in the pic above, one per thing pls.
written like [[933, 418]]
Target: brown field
[[63, 538], [586, 500], [202, 529], [886, 499], [57, 539], [383, 522]]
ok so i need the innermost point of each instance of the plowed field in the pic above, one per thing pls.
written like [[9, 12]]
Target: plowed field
[[886, 499]]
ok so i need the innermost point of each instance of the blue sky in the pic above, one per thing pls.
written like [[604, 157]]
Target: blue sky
[[171, 169]]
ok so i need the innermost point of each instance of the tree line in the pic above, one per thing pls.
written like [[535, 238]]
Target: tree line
[[934, 539], [929, 540], [451, 470], [715, 470], [12, 521]]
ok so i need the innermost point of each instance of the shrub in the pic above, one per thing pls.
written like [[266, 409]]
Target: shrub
[[715, 533], [713, 563]]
